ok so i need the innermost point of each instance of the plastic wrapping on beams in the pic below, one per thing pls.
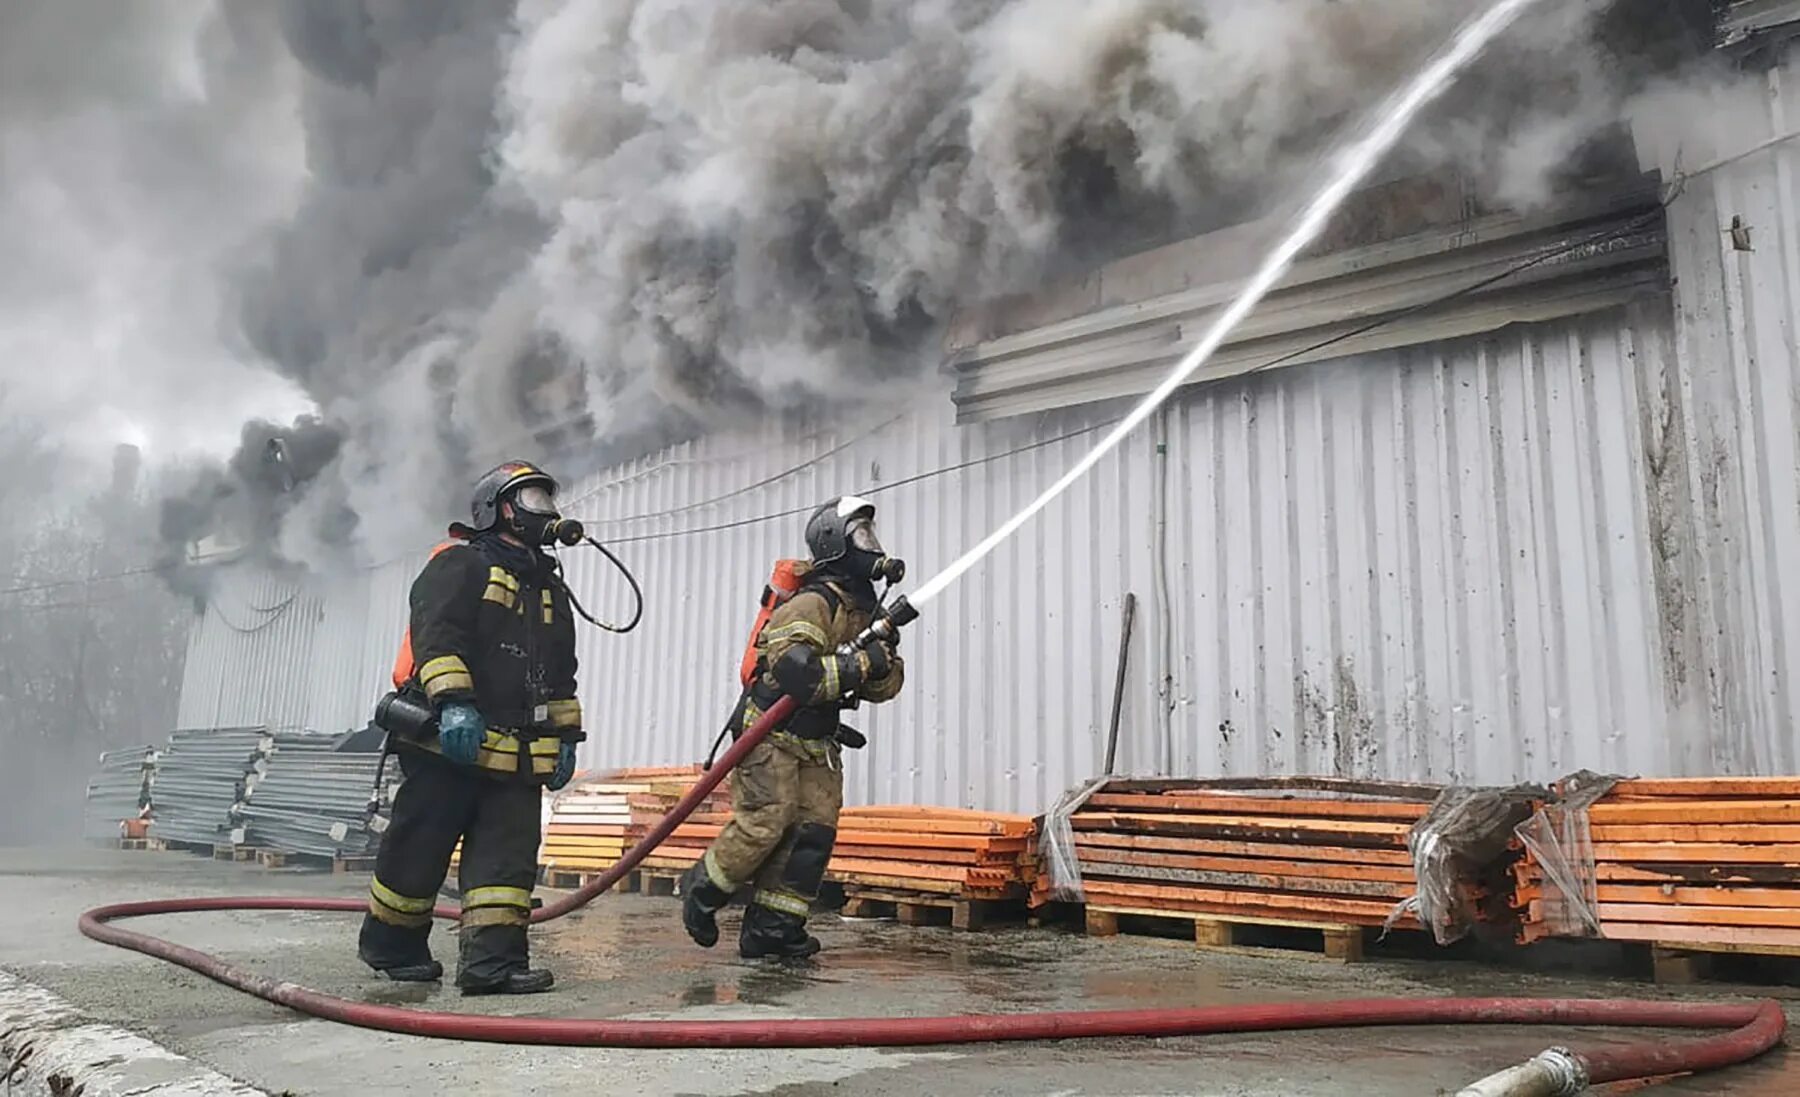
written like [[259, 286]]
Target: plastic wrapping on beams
[[1459, 845], [1558, 837], [1062, 864]]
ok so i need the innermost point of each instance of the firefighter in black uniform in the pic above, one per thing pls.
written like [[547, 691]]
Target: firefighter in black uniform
[[491, 651]]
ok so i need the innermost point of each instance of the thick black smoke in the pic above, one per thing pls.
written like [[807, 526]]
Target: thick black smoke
[[601, 224]]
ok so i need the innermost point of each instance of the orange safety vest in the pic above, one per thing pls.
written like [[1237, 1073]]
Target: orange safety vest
[[404, 664]]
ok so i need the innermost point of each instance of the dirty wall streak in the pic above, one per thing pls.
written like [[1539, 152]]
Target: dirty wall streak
[[1734, 240], [1430, 564]]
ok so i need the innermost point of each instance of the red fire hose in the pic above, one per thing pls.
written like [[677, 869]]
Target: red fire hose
[[1754, 1027]]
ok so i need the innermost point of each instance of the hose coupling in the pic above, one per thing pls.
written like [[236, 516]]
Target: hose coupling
[[1554, 1072]]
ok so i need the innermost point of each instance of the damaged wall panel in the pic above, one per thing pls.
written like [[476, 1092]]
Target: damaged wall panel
[[1433, 564]]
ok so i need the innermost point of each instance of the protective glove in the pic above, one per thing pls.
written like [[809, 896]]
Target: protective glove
[[880, 656], [460, 728], [565, 766]]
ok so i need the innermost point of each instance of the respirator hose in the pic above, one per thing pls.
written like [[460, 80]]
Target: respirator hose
[[637, 593]]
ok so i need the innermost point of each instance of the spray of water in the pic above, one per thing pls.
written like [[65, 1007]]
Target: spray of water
[[1353, 164]]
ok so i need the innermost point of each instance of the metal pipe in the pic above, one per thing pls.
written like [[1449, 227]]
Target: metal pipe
[[1118, 704]]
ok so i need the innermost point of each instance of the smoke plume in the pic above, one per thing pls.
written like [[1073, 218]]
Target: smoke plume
[[624, 222]]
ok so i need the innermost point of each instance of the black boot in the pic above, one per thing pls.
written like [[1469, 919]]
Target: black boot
[[701, 899], [428, 972], [773, 933], [400, 953], [532, 981]]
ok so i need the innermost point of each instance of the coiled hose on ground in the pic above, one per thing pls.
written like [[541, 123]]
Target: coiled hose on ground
[[1752, 1028]]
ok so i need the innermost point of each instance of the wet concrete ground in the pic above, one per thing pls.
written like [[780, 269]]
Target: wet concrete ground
[[626, 956]]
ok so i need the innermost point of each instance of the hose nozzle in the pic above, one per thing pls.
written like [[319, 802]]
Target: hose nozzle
[[887, 626], [1556, 1072]]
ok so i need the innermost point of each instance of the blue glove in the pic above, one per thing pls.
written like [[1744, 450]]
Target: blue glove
[[565, 766], [460, 728]]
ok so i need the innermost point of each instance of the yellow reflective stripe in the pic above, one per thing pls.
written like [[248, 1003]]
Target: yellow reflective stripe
[[446, 672], [717, 875], [443, 664], [829, 687], [497, 897], [500, 742], [500, 596], [799, 630], [784, 901], [446, 682], [504, 578], [546, 747], [495, 916], [392, 899], [565, 714], [382, 913]]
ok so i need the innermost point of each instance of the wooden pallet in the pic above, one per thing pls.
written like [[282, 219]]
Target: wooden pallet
[[915, 909], [341, 865], [134, 843], [630, 883], [1686, 962], [227, 851], [1342, 943], [170, 845], [271, 858]]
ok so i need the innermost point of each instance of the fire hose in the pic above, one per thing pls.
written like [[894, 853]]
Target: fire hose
[[1750, 1028]]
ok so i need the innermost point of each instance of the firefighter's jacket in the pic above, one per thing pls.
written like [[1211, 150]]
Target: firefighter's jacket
[[484, 634], [798, 654]]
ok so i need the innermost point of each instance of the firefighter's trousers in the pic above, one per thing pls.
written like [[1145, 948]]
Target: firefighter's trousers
[[785, 799], [498, 822]]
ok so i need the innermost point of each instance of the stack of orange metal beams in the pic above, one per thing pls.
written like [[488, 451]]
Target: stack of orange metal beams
[[950, 852], [1708, 862], [1312, 850]]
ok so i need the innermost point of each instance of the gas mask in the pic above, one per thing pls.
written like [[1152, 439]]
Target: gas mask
[[536, 520], [866, 560]]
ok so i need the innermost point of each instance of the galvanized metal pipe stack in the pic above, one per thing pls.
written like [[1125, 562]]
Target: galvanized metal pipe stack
[[119, 790], [311, 796], [200, 777]]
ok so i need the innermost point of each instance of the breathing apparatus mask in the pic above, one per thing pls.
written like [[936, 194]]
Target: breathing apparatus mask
[[536, 519], [865, 558]]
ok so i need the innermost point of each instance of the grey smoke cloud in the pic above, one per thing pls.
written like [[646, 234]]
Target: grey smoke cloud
[[139, 143], [645, 219]]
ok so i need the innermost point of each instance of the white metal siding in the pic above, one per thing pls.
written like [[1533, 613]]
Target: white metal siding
[[1432, 564], [1468, 562], [1737, 325], [1010, 673]]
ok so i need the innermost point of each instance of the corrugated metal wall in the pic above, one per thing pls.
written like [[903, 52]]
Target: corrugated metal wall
[[1010, 673], [250, 659], [1734, 238], [1431, 565], [1463, 562]]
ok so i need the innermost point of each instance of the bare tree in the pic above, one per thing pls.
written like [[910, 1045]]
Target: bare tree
[[91, 642]]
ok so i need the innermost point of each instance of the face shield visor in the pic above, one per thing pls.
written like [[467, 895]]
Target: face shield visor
[[862, 537], [535, 499]]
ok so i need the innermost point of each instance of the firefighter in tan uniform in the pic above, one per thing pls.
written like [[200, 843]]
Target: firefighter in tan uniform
[[786, 794]]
